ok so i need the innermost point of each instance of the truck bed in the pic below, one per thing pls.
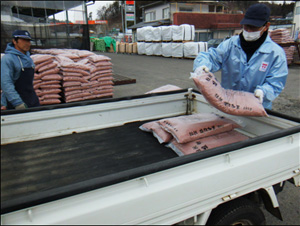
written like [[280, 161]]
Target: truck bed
[[39, 166], [91, 146]]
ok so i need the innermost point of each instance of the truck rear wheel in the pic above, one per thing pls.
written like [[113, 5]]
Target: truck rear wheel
[[237, 212]]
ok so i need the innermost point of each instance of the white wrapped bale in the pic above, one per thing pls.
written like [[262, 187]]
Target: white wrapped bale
[[141, 48], [167, 49], [166, 33], [177, 49], [156, 34], [202, 46], [187, 31], [157, 49], [193, 32], [149, 48], [177, 33], [190, 49], [140, 34], [148, 32]]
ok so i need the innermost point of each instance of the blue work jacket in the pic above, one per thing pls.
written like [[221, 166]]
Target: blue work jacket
[[266, 70], [11, 65]]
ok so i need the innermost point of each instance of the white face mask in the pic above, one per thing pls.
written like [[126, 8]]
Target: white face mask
[[251, 36]]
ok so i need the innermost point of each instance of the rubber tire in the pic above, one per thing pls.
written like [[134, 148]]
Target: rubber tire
[[239, 210]]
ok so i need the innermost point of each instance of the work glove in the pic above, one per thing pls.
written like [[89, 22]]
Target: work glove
[[259, 94], [201, 70], [21, 106]]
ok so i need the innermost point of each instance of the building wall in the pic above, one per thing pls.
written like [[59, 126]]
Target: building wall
[[209, 20], [45, 29], [158, 10], [208, 24]]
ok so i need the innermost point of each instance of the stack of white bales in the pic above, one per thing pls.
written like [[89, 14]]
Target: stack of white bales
[[169, 41], [184, 32]]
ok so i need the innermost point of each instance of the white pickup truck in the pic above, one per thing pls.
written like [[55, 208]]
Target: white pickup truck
[[89, 163]]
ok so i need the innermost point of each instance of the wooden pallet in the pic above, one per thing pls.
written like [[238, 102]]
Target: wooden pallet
[[122, 80], [190, 58], [183, 41]]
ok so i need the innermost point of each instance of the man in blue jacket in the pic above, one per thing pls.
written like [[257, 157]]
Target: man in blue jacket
[[17, 73], [250, 61]]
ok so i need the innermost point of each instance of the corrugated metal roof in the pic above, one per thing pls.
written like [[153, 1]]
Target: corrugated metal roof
[[58, 5], [153, 24]]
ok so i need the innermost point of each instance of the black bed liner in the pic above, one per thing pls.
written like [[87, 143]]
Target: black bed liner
[[34, 166]]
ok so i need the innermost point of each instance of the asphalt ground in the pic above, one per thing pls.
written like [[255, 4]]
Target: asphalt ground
[[152, 72]]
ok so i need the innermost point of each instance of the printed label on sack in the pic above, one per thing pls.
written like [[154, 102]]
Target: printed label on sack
[[263, 66]]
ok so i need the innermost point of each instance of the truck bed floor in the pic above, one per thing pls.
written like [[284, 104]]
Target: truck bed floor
[[35, 166]]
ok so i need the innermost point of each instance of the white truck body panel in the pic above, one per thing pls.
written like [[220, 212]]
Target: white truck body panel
[[165, 197], [86, 118]]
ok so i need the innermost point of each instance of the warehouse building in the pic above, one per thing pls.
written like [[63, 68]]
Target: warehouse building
[[50, 23]]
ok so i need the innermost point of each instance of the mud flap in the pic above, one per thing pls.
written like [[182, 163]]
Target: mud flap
[[271, 203]]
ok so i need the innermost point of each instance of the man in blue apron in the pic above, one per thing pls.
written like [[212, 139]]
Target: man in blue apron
[[17, 73], [250, 61]]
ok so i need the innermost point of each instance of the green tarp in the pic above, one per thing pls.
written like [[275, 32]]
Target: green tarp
[[99, 45], [108, 41], [102, 43]]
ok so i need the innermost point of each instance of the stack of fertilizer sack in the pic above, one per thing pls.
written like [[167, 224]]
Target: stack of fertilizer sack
[[194, 133], [79, 75], [87, 79], [282, 36], [47, 79]]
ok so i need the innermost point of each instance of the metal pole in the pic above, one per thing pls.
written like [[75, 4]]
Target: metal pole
[[68, 30], [122, 18], [87, 33], [134, 14], [55, 31], [125, 19]]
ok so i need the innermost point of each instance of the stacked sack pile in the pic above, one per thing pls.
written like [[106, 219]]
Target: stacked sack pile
[[82, 74], [75, 75], [47, 80], [101, 75], [194, 133], [282, 36]]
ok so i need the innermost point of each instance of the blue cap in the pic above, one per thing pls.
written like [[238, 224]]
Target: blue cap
[[21, 34], [257, 15]]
